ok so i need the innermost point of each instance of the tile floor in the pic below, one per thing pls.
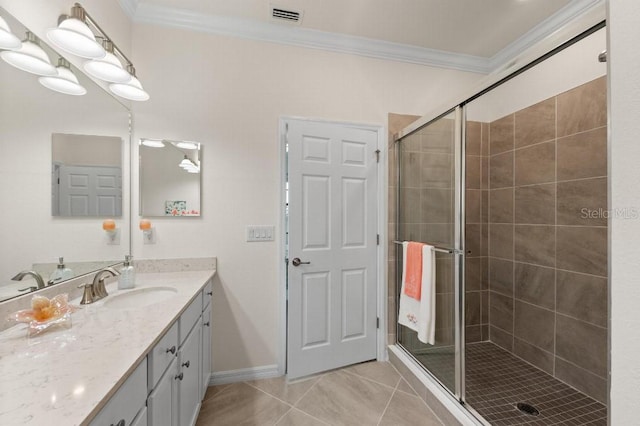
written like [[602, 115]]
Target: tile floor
[[494, 392], [371, 393]]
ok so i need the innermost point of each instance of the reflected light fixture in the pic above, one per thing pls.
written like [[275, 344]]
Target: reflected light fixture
[[186, 145], [131, 90], [109, 68], [65, 82], [152, 143], [8, 40], [185, 162], [30, 57], [73, 35], [189, 166]]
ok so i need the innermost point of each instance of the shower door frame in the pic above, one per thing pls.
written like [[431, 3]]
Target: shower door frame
[[460, 172], [458, 246]]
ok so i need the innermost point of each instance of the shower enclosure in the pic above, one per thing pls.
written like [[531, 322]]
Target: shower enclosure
[[511, 187]]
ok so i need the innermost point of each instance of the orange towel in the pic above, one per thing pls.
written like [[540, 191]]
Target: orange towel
[[413, 283]]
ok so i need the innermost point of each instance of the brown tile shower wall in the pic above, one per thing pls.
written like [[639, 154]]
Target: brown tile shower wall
[[548, 236], [476, 232]]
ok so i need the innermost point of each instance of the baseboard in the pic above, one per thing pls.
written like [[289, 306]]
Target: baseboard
[[244, 374]]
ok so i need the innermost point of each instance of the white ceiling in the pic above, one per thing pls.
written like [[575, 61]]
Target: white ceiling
[[475, 35]]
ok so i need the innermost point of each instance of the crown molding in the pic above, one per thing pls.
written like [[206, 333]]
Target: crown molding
[[549, 26], [304, 37], [343, 43]]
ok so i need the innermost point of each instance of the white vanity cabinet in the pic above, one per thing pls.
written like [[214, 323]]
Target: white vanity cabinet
[[178, 365], [128, 401]]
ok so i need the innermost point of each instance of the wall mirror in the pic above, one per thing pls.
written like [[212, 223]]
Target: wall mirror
[[170, 178], [86, 175], [32, 119]]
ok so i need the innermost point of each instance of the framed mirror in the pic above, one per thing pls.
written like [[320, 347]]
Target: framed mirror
[[33, 119], [170, 178]]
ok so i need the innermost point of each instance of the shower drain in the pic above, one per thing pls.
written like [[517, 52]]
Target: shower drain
[[527, 409]]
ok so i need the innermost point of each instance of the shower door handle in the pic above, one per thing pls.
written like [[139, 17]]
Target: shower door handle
[[297, 262]]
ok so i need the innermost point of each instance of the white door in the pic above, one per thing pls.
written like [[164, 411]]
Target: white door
[[90, 191], [332, 174]]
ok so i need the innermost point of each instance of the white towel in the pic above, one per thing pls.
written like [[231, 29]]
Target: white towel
[[420, 315]]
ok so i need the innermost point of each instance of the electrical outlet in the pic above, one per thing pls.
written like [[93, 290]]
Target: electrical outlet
[[260, 233]]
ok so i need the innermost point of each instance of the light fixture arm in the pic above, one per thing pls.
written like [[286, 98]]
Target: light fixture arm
[[80, 13]]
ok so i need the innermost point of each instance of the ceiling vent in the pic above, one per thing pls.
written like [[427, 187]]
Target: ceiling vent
[[286, 15]]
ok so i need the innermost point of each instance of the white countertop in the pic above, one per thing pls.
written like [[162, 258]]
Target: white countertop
[[64, 377]]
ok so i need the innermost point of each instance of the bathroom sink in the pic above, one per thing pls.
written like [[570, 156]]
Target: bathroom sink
[[138, 298]]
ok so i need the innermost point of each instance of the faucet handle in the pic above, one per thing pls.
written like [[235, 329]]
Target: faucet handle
[[88, 295]]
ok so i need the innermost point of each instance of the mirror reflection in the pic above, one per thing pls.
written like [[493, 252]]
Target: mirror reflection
[[86, 175], [170, 177], [34, 118]]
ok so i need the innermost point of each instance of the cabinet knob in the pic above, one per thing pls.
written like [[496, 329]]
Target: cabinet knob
[[172, 349], [207, 324], [180, 376], [186, 364], [120, 423], [209, 293]]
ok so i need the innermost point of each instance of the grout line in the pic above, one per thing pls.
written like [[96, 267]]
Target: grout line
[[283, 416], [387, 406], [545, 266], [309, 390], [369, 379], [268, 394]]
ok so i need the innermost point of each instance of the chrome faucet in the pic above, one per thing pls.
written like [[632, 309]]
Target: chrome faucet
[[33, 274], [99, 291]]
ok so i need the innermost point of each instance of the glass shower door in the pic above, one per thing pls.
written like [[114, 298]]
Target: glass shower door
[[428, 206]]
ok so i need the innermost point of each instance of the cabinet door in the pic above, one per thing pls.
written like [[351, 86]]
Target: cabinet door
[[205, 367], [160, 402], [189, 378], [141, 418]]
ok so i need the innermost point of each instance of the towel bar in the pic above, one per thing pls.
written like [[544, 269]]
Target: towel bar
[[439, 249]]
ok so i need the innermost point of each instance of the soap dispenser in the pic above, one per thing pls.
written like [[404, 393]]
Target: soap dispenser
[[61, 273], [127, 277]]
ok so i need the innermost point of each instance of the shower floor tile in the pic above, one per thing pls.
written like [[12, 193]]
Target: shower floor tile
[[496, 381]]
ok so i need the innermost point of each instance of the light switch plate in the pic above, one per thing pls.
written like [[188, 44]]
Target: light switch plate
[[260, 233]]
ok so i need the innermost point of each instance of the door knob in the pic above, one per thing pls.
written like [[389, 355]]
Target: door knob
[[297, 262]]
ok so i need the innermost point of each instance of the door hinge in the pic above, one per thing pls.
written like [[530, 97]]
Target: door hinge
[[377, 151], [377, 322], [377, 239]]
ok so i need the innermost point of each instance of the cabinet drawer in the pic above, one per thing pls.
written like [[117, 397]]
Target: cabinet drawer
[[127, 401], [207, 292], [189, 317], [161, 355]]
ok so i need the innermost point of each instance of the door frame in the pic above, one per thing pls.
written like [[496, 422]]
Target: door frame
[[381, 226]]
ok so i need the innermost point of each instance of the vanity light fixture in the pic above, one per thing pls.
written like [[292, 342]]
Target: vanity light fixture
[[109, 68], [73, 35], [152, 143], [8, 40], [65, 82], [131, 90], [77, 34], [30, 57]]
